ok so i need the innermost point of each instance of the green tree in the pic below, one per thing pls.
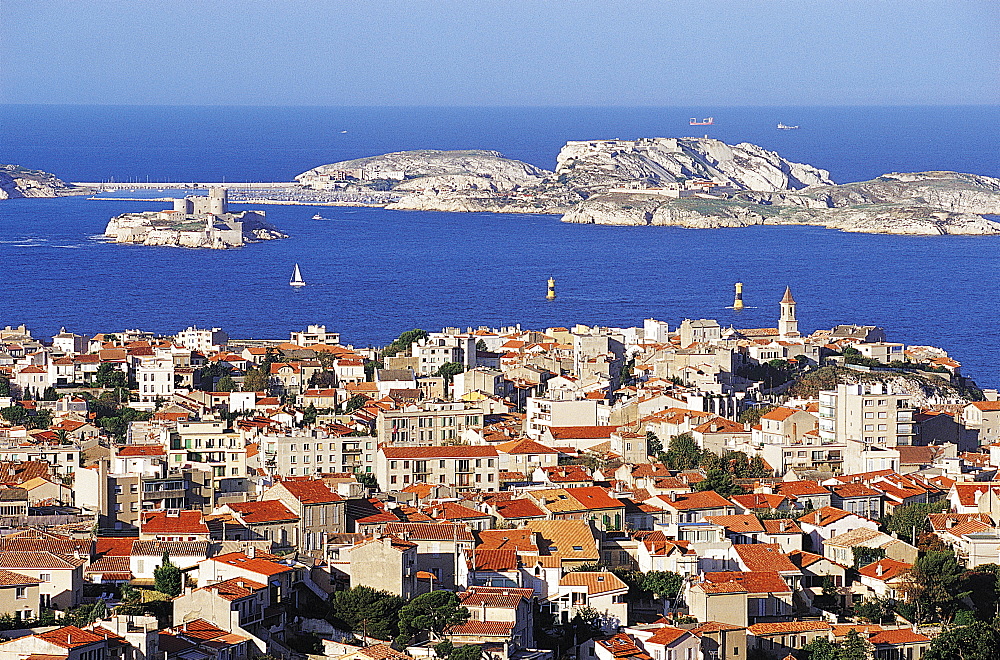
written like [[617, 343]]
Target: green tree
[[683, 453], [50, 394], [467, 652], [208, 375], [936, 585], [4, 386], [367, 479], [864, 556], [16, 415], [366, 611], [911, 519], [323, 379], [653, 445], [449, 370], [435, 612], [309, 415], [42, 419], [721, 481], [108, 376], [167, 578], [256, 380], [876, 610], [481, 346], [820, 648], [226, 384], [664, 584], [752, 416], [355, 402], [402, 343], [855, 647], [976, 641]]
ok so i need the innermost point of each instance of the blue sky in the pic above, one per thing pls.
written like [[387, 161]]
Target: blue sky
[[492, 52]]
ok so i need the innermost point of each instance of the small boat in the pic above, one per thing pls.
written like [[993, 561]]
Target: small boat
[[782, 127], [317, 217], [343, 131], [297, 277], [707, 121]]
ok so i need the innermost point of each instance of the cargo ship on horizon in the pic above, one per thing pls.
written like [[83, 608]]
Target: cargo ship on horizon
[[707, 121]]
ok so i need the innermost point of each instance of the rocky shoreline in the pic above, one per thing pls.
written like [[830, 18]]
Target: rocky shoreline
[[696, 183], [18, 182]]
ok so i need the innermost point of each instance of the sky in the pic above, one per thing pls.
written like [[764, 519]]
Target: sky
[[500, 52]]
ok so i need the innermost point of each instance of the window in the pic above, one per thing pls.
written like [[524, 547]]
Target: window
[[21, 593], [45, 577]]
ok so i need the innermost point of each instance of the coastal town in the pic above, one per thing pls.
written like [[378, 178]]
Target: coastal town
[[668, 491]]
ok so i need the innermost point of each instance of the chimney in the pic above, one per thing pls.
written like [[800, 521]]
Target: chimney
[[252, 551], [878, 569]]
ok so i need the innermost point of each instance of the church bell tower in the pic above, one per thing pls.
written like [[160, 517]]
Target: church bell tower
[[788, 325]]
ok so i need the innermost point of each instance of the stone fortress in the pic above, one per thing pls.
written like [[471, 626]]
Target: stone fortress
[[193, 222]]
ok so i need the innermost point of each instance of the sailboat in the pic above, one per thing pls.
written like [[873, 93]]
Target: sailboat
[[297, 277]]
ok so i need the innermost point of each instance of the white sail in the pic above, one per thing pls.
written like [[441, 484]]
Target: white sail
[[297, 277]]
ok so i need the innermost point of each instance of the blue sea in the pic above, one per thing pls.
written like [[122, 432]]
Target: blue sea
[[374, 273]]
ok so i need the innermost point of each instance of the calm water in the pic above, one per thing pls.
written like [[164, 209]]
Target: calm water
[[374, 273]]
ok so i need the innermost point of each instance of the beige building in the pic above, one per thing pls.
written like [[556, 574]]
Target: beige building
[[867, 413], [387, 563], [427, 423], [463, 466], [319, 509], [19, 596], [60, 577]]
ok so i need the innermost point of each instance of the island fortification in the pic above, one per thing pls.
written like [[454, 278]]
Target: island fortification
[[193, 222]]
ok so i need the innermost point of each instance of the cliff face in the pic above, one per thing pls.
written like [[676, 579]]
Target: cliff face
[[597, 165], [922, 203], [17, 182], [441, 170], [683, 182]]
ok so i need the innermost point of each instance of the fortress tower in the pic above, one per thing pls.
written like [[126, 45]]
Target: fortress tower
[[218, 199], [788, 325]]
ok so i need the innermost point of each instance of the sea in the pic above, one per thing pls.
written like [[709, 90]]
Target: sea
[[373, 273]]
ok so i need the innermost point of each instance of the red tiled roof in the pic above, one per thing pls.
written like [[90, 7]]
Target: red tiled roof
[[785, 627], [310, 491], [141, 450], [184, 522], [760, 557], [706, 499], [496, 560], [252, 564], [885, 569], [485, 628], [581, 432], [753, 582], [667, 635], [450, 451], [263, 511], [900, 636], [523, 508], [235, 588], [70, 637]]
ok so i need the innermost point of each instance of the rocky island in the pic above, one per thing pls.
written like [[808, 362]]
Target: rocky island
[[685, 182], [194, 222], [18, 182]]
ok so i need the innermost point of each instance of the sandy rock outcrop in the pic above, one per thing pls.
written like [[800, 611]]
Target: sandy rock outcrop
[[18, 182]]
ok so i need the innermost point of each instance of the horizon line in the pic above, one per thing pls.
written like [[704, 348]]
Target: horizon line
[[499, 107]]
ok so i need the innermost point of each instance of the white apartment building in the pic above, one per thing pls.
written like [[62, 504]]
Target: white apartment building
[[438, 349], [866, 413], [545, 412], [427, 423], [206, 341], [208, 446], [314, 334], [154, 375], [314, 451], [465, 467]]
